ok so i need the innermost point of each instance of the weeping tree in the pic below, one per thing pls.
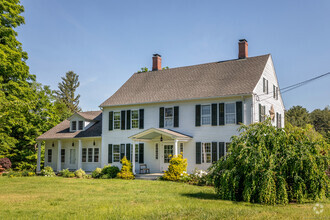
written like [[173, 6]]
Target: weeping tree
[[272, 165]]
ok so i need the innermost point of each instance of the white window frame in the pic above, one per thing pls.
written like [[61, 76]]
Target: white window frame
[[156, 151], [98, 155], [51, 155], [138, 119], [166, 156], [113, 153], [137, 152], [114, 127], [82, 125], [87, 155], [181, 149], [265, 86], [75, 128], [86, 159], [230, 113], [208, 115], [63, 150], [207, 153], [172, 117]]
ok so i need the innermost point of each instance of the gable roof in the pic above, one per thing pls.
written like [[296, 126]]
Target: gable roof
[[217, 79], [89, 115], [62, 130]]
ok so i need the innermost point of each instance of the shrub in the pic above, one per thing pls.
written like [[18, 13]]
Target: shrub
[[200, 178], [126, 170], [177, 168], [67, 173], [28, 173], [109, 171], [24, 173], [97, 173], [80, 173], [5, 163], [1, 169], [272, 165], [47, 171]]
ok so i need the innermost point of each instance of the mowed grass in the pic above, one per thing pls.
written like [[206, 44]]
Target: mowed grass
[[61, 198]]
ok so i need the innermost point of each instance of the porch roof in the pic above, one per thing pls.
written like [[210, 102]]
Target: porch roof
[[153, 134]]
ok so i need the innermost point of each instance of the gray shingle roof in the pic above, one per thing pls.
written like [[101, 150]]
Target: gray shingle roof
[[62, 130], [217, 79]]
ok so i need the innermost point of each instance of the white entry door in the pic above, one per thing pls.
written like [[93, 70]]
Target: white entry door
[[72, 161], [166, 151]]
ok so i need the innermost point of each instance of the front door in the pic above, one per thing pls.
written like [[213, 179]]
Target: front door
[[167, 151], [72, 161]]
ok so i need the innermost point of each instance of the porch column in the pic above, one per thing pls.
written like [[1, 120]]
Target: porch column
[[175, 147], [59, 147], [133, 158], [39, 156], [79, 153]]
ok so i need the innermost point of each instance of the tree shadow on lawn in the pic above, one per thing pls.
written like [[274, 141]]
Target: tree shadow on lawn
[[201, 195]]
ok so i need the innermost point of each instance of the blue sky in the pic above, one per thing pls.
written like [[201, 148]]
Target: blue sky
[[105, 42]]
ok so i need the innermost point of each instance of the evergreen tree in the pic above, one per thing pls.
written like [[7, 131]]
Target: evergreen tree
[[67, 89], [297, 116]]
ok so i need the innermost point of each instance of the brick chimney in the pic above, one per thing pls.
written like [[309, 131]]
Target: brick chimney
[[156, 62], [242, 49]]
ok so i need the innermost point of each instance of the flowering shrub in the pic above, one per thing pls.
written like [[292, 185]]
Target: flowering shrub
[[80, 173], [67, 173], [97, 173], [5, 163], [109, 172], [200, 178], [177, 169], [126, 170], [47, 171]]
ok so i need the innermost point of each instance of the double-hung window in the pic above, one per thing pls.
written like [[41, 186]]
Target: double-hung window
[[80, 125], [96, 154], [137, 153], [168, 117], [90, 154], [62, 155], [135, 118], [206, 152], [265, 86], [116, 120], [230, 110], [116, 153], [84, 155], [49, 155], [206, 114], [74, 125]]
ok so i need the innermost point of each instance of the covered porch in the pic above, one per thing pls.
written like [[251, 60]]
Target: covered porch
[[161, 143]]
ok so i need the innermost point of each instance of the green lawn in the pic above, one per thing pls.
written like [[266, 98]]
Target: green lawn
[[61, 198]]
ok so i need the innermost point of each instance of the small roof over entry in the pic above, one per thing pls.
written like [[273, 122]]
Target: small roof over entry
[[155, 134]]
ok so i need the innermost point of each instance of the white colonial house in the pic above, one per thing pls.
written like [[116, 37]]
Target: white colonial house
[[192, 110]]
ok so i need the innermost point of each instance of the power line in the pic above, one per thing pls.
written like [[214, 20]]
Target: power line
[[297, 85]]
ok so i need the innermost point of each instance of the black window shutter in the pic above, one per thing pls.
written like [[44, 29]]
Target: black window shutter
[[260, 111], [264, 85], [122, 118], [141, 119], [161, 117], [198, 152], [214, 152], [239, 112], [198, 116], [280, 120], [128, 118], [267, 86], [214, 114], [141, 152], [176, 116], [110, 153], [122, 151], [128, 151], [276, 119], [221, 149], [221, 113], [111, 121]]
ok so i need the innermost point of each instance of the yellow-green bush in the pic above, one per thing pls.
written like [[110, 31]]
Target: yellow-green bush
[[176, 169], [126, 170], [80, 173]]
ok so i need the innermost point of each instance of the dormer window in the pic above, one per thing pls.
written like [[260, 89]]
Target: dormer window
[[74, 125], [81, 125]]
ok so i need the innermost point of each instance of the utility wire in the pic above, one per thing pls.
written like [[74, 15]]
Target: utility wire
[[297, 85]]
